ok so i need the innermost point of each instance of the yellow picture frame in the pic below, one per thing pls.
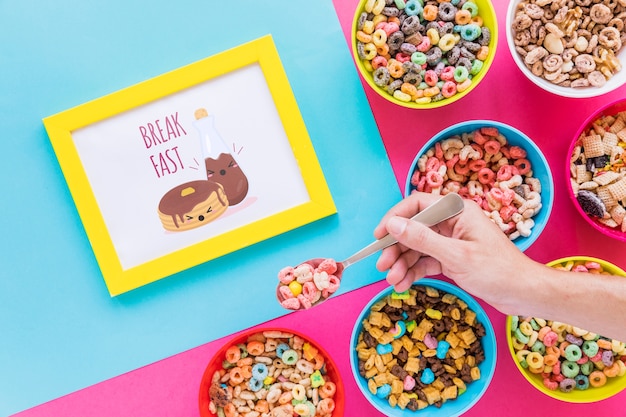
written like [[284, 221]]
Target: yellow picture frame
[[65, 129]]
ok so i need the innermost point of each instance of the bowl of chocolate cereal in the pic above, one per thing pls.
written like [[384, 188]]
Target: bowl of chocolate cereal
[[271, 370], [596, 167], [571, 49], [565, 362], [497, 166], [424, 55], [431, 348]]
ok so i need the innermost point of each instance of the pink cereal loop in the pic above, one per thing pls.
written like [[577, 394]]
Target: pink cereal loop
[[310, 292], [328, 265], [550, 338], [379, 61], [286, 275], [285, 292], [508, 196], [477, 165], [305, 302], [592, 265], [580, 268], [522, 165], [551, 385], [492, 147], [432, 164], [448, 89], [434, 179], [402, 57], [430, 77], [391, 27], [516, 152], [486, 176], [424, 45], [438, 153], [291, 304], [506, 172], [334, 284], [415, 178], [448, 74]]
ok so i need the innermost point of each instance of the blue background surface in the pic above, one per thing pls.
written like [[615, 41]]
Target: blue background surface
[[59, 329]]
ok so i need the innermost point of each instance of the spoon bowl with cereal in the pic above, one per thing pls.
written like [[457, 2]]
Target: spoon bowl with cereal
[[314, 281]]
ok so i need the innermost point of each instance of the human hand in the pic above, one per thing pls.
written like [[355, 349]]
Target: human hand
[[469, 248]]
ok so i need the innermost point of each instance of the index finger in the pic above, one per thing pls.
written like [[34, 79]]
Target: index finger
[[407, 207]]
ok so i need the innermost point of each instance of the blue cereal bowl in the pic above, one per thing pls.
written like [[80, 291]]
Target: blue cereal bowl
[[452, 407], [514, 137]]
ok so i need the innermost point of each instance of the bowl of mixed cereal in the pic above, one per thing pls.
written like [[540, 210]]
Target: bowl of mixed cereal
[[571, 52], [420, 55], [431, 348], [565, 362], [495, 165], [596, 166], [271, 370]]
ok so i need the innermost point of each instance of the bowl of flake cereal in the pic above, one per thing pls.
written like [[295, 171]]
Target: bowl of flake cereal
[[571, 49], [565, 362], [431, 348], [596, 166], [271, 371]]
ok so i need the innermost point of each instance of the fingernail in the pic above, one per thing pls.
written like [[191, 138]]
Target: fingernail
[[396, 225]]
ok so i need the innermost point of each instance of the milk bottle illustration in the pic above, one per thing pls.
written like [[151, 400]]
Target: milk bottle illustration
[[221, 166]]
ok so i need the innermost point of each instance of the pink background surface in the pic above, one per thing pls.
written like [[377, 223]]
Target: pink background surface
[[170, 387]]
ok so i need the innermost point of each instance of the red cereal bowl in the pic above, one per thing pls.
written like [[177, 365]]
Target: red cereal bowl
[[613, 61], [272, 340], [421, 91], [534, 159], [613, 385], [584, 179]]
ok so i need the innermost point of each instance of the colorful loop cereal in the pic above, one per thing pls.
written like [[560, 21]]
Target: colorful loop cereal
[[442, 32]]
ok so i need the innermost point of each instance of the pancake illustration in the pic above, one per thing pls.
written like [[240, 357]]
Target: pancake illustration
[[192, 204]]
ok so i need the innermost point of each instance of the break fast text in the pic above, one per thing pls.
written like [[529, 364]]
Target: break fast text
[[158, 133]]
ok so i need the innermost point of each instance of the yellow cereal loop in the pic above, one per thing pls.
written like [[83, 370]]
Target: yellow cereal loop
[[433, 36]]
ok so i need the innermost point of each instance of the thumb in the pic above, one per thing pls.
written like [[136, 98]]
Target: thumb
[[419, 237]]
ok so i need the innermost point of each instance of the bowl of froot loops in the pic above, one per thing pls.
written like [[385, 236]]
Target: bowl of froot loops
[[424, 55]]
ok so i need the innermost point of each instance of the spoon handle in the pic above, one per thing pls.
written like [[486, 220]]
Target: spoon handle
[[448, 206]]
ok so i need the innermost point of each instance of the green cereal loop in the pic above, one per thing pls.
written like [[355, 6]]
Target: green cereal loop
[[400, 4], [521, 337], [290, 357], [418, 58], [514, 322], [573, 353], [590, 348], [460, 74], [422, 86], [570, 369], [587, 368], [413, 7], [524, 364], [477, 65], [538, 346], [472, 7], [533, 322]]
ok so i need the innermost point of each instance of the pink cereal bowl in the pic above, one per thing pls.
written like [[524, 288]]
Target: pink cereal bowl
[[606, 110], [329, 371], [613, 386]]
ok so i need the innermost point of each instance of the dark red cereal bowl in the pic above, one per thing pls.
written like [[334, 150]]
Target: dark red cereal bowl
[[576, 182], [580, 387], [459, 398], [273, 338], [534, 159]]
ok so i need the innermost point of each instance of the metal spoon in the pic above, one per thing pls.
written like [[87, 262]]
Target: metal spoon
[[446, 207]]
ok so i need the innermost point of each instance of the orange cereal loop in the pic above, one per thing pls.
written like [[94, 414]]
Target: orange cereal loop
[[328, 389], [612, 371], [550, 360], [255, 348], [394, 19], [477, 20], [318, 361], [604, 344], [262, 406], [363, 37], [383, 49], [244, 361], [246, 371], [483, 53], [597, 379], [233, 354], [430, 12], [395, 68], [236, 377], [230, 410], [463, 17], [409, 89]]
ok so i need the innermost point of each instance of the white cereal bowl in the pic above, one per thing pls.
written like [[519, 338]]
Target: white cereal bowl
[[613, 83]]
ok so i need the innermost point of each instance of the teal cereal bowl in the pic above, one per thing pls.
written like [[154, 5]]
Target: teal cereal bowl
[[514, 137], [473, 390]]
